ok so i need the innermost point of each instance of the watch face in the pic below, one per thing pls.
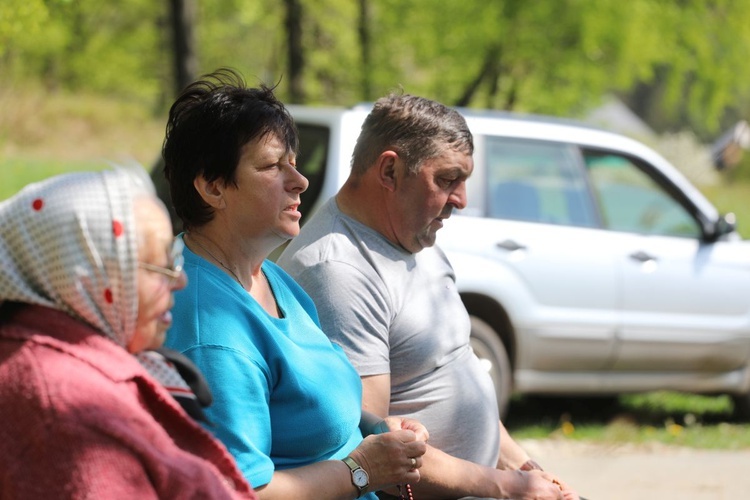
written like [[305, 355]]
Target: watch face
[[360, 478]]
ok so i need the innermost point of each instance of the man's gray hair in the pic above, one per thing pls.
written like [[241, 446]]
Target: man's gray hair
[[416, 128]]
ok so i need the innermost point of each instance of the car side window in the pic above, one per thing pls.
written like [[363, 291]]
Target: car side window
[[537, 181], [633, 201], [312, 159]]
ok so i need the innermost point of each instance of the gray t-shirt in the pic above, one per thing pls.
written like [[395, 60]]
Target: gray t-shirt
[[400, 313]]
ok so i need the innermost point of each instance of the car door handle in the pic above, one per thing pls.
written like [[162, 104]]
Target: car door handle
[[511, 245], [642, 256]]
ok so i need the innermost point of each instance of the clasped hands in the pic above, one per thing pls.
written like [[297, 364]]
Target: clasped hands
[[394, 455]]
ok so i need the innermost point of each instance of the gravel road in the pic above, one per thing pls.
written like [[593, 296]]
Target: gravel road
[[645, 472]]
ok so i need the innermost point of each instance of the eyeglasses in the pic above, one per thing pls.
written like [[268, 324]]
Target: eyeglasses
[[176, 260]]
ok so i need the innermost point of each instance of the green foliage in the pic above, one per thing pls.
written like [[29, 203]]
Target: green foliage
[[707, 69], [333, 56], [550, 57], [555, 57], [20, 20], [248, 36], [88, 45]]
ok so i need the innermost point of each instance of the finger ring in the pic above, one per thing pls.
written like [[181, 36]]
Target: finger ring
[[413, 462]]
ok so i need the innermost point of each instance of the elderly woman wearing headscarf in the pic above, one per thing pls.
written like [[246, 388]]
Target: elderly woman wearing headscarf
[[87, 270]]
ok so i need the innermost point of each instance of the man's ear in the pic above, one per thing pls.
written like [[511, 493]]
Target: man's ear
[[387, 168], [212, 192]]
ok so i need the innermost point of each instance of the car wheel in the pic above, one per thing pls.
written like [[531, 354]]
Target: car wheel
[[494, 358]]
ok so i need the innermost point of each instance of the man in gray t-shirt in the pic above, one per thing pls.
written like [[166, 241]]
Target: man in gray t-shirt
[[387, 295], [399, 313]]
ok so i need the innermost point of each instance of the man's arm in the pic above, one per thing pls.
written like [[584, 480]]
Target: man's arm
[[445, 476], [376, 394], [512, 456]]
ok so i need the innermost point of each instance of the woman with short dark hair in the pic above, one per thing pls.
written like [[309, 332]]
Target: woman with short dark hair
[[287, 401]]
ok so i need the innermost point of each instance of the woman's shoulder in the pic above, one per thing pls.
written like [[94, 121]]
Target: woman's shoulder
[[278, 275], [58, 383], [51, 342]]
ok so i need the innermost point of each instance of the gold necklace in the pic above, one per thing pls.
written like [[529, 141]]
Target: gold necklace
[[192, 238]]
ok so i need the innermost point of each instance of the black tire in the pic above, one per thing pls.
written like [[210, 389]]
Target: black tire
[[491, 352]]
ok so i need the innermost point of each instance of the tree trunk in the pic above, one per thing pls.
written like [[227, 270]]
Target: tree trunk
[[489, 68], [182, 14], [296, 59], [365, 49]]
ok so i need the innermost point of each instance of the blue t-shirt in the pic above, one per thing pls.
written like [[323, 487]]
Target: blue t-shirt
[[284, 395]]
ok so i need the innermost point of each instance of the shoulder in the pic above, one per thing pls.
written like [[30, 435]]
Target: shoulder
[[328, 235], [44, 383], [313, 240], [350, 250], [51, 342], [279, 276]]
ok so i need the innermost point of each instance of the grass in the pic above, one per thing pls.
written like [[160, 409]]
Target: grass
[[670, 418], [16, 173], [45, 133]]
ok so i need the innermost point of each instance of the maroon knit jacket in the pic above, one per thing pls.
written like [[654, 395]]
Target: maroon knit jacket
[[80, 418]]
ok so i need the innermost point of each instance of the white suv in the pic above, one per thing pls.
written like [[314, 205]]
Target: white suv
[[588, 263]]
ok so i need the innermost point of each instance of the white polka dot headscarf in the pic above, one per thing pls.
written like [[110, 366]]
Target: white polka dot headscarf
[[69, 243]]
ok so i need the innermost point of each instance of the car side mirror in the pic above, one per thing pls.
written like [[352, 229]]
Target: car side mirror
[[724, 225]]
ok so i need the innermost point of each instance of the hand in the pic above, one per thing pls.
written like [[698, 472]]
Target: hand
[[568, 493], [541, 485], [534, 485], [391, 458], [398, 423]]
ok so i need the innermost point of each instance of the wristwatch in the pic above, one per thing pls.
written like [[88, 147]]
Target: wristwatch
[[360, 479]]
